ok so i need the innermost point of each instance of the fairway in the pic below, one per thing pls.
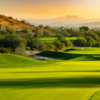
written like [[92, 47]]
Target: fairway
[[22, 78], [52, 39]]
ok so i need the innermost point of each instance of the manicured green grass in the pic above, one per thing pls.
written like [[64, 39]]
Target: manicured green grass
[[16, 61], [75, 54], [52, 39], [64, 80], [22, 78], [95, 96]]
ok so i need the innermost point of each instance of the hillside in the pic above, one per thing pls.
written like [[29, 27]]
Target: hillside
[[14, 23]]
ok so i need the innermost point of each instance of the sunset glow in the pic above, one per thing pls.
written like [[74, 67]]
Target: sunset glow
[[50, 8]]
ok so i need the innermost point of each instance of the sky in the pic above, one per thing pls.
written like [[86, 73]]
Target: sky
[[44, 9]]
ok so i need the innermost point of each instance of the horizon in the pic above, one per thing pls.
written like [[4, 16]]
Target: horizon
[[43, 9]]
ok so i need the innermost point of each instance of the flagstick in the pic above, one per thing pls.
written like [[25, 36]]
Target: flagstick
[[83, 53]]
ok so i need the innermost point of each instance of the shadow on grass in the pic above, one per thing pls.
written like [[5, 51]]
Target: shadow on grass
[[56, 71], [82, 82], [60, 55], [69, 56], [71, 49]]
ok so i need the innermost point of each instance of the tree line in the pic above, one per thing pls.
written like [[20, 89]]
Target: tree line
[[12, 41]]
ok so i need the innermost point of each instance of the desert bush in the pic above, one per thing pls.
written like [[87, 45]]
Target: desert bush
[[28, 48], [49, 46], [13, 41], [21, 51], [5, 50], [35, 43], [10, 30]]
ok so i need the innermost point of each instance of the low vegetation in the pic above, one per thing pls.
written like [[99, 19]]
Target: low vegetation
[[13, 40]]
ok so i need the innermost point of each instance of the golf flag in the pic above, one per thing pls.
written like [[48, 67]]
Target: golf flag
[[82, 48]]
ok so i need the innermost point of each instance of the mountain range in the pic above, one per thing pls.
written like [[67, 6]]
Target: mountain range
[[67, 21]]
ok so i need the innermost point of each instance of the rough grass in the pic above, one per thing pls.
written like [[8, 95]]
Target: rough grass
[[26, 79]]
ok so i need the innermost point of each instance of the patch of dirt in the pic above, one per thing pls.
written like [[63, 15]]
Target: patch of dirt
[[40, 58], [30, 52], [32, 55]]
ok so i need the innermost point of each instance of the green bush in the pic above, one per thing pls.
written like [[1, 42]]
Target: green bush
[[10, 30], [49, 46], [66, 42], [28, 48], [59, 45], [36, 43], [5, 50], [13, 41], [21, 51]]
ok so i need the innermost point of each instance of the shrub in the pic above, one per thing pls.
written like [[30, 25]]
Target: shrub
[[49, 46], [63, 39], [10, 31], [25, 30], [21, 51], [5, 50], [90, 41], [59, 45], [38, 33], [13, 41], [89, 44], [23, 21], [46, 33], [35, 43], [28, 48]]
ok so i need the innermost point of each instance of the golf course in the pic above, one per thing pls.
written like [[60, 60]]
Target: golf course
[[76, 76], [52, 39]]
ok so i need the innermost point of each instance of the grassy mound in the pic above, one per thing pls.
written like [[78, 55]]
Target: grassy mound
[[13, 61]]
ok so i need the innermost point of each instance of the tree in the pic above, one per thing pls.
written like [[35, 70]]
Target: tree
[[84, 28], [47, 27], [23, 21], [61, 37], [3, 32], [65, 33], [55, 30], [59, 45], [81, 42], [94, 35], [36, 43], [62, 41], [40, 26], [46, 33], [10, 17], [13, 41], [77, 33], [38, 33], [25, 30], [90, 41]]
